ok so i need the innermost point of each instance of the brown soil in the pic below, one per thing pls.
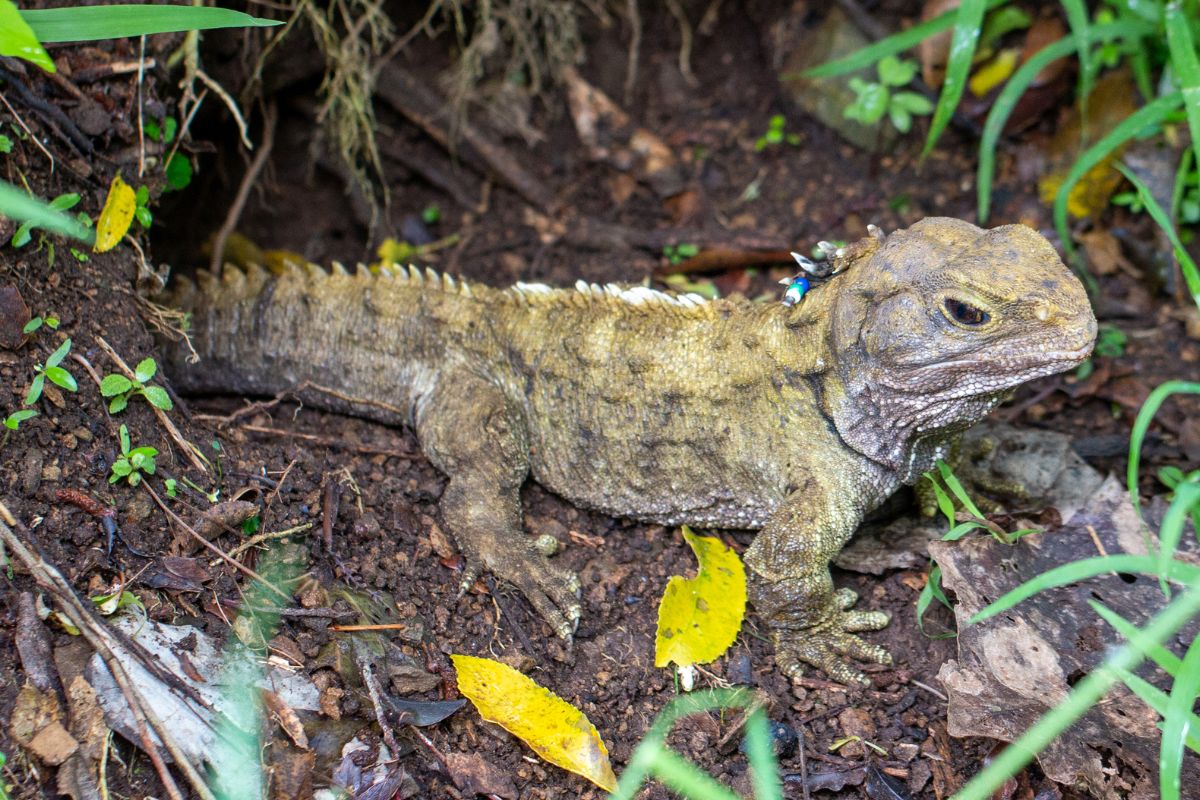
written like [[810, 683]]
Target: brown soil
[[384, 531]]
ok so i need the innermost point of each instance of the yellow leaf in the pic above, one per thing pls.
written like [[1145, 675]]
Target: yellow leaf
[[700, 617], [395, 252], [117, 215], [993, 73], [555, 729]]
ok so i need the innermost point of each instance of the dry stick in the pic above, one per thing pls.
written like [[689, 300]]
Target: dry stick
[[216, 550], [254, 541], [168, 426], [25, 128], [50, 579], [376, 693], [416, 101], [93, 74], [635, 44], [141, 78], [389, 626], [685, 42], [243, 194]]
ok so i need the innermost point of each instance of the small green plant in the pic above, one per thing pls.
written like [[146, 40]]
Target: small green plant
[[1110, 343], [141, 211], [1129, 200], [133, 463], [6, 144], [874, 100], [35, 324], [171, 486], [121, 388], [4, 787], [51, 370], [24, 232], [431, 214], [14, 420], [776, 134], [161, 130], [678, 253]]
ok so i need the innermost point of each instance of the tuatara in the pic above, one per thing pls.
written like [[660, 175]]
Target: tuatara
[[668, 407]]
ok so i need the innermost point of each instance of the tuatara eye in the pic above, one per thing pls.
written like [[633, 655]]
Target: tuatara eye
[[965, 313]]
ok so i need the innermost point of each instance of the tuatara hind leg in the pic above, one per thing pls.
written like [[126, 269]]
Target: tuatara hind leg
[[472, 434], [791, 588]]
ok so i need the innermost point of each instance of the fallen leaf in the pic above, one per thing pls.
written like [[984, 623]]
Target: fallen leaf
[[700, 617], [475, 775], [117, 215], [288, 719], [556, 730], [993, 73], [14, 314]]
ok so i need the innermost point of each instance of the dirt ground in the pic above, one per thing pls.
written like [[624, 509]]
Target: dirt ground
[[378, 496]]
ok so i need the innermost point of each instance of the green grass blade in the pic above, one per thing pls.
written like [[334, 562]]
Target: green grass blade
[[967, 25], [1077, 18], [1082, 570], [1149, 114], [1157, 699], [1186, 496], [1184, 64], [1177, 721], [17, 205], [1142, 424], [896, 43], [88, 23], [1085, 695], [1161, 656], [764, 770], [953, 485], [684, 777], [1191, 276], [1007, 100]]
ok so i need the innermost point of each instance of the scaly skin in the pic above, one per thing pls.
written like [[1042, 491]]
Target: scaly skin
[[796, 421]]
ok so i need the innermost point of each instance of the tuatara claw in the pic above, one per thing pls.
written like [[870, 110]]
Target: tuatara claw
[[553, 592], [827, 644]]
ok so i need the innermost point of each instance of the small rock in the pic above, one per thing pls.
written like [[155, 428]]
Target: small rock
[[31, 472], [784, 740], [52, 472], [82, 434], [906, 751]]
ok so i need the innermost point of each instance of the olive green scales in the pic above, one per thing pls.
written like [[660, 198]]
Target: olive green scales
[[669, 408]]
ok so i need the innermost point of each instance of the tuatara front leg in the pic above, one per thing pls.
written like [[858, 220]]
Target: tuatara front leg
[[792, 590], [472, 433]]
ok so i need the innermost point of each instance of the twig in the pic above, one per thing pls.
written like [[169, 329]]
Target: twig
[[258, 539], [243, 194], [391, 626], [932, 691], [141, 78], [230, 103], [412, 98], [92, 74], [239, 566], [635, 44], [685, 42], [50, 579], [188, 448], [375, 691], [28, 132], [329, 441]]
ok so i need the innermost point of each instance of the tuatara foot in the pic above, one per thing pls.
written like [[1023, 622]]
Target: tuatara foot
[[553, 592], [971, 466], [829, 642]]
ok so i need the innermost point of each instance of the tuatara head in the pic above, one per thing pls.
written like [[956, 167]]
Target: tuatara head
[[936, 324]]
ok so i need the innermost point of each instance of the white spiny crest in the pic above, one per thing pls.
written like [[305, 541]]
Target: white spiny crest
[[315, 273], [338, 269], [414, 275], [362, 271]]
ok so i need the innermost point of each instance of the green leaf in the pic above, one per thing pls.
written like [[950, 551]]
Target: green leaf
[[121, 467], [896, 43], [1081, 34], [178, 172], [135, 478], [158, 397], [142, 196], [170, 126], [1178, 716], [143, 216], [52, 323], [115, 384], [912, 102], [1003, 21], [14, 420], [1081, 570], [64, 202], [118, 404], [1191, 275], [894, 72], [1152, 113], [22, 235], [61, 377], [170, 485], [145, 370], [872, 103], [901, 119], [967, 25], [152, 129], [89, 23], [932, 591], [32, 325], [35, 389], [124, 434], [16, 204], [6, 144], [58, 355], [18, 39]]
